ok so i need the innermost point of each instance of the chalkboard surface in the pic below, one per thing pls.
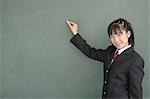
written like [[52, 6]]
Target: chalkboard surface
[[37, 60]]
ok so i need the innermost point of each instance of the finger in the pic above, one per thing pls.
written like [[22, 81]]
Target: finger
[[72, 23], [69, 24]]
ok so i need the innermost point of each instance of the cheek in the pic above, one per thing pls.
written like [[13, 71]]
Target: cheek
[[124, 39], [111, 40]]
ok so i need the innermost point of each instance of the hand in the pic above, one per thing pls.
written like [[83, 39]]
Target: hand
[[73, 27]]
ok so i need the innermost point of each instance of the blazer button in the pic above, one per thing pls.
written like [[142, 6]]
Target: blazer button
[[107, 71], [104, 93], [105, 82]]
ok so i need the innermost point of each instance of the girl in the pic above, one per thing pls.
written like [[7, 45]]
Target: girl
[[123, 66]]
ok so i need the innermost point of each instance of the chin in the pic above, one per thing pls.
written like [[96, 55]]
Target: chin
[[119, 47]]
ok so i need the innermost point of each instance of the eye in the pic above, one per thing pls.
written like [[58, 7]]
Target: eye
[[119, 34]]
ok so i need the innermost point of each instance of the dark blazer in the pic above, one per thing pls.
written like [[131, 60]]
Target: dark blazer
[[122, 78]]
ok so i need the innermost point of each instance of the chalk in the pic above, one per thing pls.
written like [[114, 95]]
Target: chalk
[[68, 22]]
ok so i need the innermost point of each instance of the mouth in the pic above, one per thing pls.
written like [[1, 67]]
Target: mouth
[[117, 45]]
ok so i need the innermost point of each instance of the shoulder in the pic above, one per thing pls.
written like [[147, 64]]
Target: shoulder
[[137, 56], [137, 61], [133, 54]]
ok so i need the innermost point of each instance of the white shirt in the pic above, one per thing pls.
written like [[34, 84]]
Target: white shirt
[[123, 49]]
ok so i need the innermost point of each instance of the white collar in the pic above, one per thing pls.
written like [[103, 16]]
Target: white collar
[[123, 49]]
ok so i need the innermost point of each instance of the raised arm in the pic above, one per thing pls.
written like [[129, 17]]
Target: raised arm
[[80, 43]]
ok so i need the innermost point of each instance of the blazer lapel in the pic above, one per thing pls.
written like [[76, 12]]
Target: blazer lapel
[[120, 58]]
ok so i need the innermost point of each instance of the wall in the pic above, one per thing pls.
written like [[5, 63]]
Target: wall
[[39, 62], [149, 46], [0, 46]]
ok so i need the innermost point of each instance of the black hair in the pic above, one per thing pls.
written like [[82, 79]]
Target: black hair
[[121, 24]]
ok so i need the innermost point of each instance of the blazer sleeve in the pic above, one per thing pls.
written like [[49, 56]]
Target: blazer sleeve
[[136, 74], [97, 54]]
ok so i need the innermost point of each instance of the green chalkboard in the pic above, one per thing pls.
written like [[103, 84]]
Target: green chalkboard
[[37, 60], [0, 47]]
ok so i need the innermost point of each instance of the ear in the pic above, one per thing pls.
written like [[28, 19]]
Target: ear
[[129, 34]]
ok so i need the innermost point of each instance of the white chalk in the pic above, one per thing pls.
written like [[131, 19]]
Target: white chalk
[[68, 22]]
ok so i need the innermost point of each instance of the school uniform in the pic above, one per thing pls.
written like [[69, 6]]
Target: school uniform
[[122, 76]]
